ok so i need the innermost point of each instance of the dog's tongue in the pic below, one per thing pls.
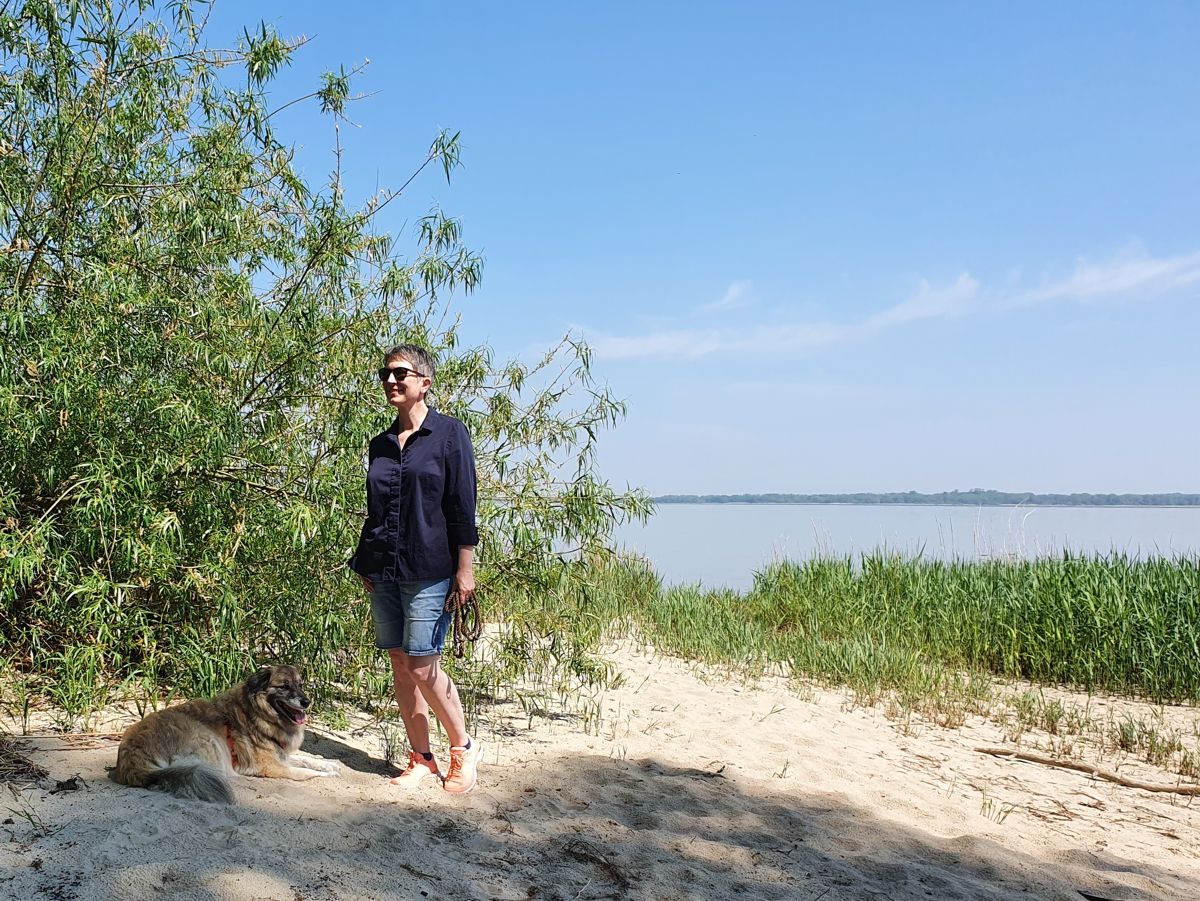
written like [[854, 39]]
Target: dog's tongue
[[300, 718]]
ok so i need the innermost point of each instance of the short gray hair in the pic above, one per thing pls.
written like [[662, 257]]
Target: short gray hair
[[420, 357]]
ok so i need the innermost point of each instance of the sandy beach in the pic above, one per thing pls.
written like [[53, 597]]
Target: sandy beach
[[687, 786]]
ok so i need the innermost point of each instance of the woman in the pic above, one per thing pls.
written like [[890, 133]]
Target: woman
[[417, 545]]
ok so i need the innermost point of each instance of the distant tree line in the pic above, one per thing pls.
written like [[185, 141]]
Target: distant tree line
[[975, 497]]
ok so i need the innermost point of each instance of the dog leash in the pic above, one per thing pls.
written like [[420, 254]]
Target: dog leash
[[468, 625]]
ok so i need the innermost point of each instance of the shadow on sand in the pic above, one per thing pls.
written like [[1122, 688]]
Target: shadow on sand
[[578, 828]]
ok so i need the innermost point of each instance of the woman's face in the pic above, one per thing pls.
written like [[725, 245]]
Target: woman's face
[[406, 391]]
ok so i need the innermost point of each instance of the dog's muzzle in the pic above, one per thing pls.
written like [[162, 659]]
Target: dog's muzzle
[[294, 712]]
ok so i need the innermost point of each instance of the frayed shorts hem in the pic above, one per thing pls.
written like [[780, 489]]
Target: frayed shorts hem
[[396, 647]]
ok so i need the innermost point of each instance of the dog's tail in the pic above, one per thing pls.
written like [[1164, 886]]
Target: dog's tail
[[194, 780]]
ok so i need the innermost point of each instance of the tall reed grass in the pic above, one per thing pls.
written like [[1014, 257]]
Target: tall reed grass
[[886, 622]]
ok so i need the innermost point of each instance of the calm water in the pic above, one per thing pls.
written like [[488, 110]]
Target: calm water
[[721, 545]]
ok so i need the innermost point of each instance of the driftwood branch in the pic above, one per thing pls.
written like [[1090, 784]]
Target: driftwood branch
[[1191, 790]]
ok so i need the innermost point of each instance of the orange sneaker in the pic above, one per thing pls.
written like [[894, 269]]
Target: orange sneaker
[[417, 770], [464, 763]]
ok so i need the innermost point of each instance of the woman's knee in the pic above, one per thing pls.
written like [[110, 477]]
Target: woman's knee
[[422, 668]]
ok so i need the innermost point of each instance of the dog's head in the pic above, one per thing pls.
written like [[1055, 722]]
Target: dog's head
[[279, 690]]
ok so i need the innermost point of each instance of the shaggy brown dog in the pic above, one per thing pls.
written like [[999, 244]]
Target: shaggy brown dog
[[193, 749]]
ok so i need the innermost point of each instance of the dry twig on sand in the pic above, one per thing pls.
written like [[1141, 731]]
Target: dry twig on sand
[[16, 768], [80, 741], [589, 853], [1191, 790]]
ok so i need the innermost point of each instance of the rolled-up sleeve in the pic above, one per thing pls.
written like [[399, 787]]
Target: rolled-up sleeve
[[458, 502]]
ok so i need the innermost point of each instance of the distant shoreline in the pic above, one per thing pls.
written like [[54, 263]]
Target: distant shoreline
[[979, 498]]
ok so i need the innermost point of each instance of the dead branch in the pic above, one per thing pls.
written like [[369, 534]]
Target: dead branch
[[1191, 790]]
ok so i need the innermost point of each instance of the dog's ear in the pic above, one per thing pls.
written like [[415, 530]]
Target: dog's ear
[[259, 681]]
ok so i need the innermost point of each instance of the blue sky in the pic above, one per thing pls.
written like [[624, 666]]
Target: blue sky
[[817, 248]]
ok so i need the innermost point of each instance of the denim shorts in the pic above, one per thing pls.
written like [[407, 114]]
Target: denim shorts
[[411, 616]]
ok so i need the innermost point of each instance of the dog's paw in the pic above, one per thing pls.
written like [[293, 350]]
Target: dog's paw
[[320, 765]]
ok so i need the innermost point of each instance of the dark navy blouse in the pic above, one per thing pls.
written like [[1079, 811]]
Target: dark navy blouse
[[420, 503]]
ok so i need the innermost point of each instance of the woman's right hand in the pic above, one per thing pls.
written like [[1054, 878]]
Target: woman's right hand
[[367, 584]]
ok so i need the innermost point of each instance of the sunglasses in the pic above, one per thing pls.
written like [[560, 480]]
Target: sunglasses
[[400, 373]]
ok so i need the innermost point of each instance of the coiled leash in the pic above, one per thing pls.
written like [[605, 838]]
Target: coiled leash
[[468, 625]]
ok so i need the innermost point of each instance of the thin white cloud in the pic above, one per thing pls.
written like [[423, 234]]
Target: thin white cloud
[[1129, 276], [680, 343], [929, 302], [1123, 275], [736, 296], [691, 343]]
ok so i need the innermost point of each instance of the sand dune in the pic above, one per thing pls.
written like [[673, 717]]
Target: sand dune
[[689, 787]]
